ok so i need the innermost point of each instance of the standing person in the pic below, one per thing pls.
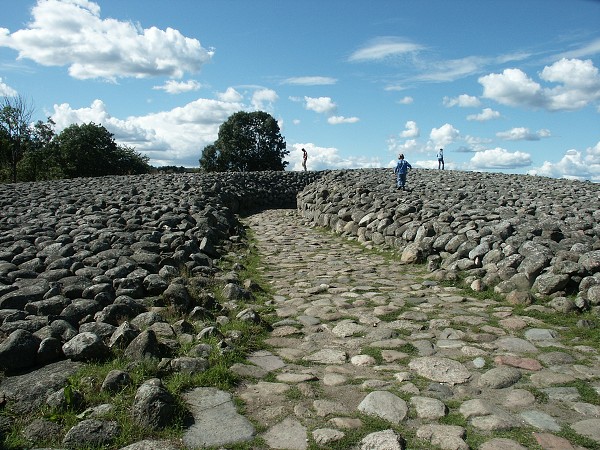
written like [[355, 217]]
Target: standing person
[[401, 170], [304, 158], [440, 157]]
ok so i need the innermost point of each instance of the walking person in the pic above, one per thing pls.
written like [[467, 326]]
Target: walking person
[[401, 170], [440, 158], [304, 158]]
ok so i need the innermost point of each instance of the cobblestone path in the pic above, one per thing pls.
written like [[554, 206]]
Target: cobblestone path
[[370, 354]]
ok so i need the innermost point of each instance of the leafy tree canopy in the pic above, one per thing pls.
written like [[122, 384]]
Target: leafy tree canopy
[[247, 141], [89, 150]]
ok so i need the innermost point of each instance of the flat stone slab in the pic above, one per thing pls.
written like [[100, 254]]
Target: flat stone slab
[[385, 405], [328, 356], [516, 345], [442, 370], [589, 428], [540, 420], [266, 360], [288, 434], [216, 421]]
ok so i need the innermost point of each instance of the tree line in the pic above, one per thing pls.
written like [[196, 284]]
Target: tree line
[[247, 141], [34, 151]]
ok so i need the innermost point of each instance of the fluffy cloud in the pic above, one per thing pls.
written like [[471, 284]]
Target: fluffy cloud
[[6, 90], [462, 101], [310, 81], [263, 99], [336, 120], [230, 95], [499, 158], [72, 33], [321, 158], [384, 47], [573, 165], [174, 137], [444, 135], [485, 115], [578, 85], [512, 87], [408, 146], [321, 105], [406, 100], [523, 134], [177, 87], [411, 130]]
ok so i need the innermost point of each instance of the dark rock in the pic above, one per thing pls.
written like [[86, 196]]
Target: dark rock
[[19, 351], [115, 381], [79, 310], [145, 345], [28, 391], [20, 297], [86, 347], [65, 399], [153, 406], [101, 329], [177, 295], [50, 350], [92, 432], [41, 430], [123, 335]]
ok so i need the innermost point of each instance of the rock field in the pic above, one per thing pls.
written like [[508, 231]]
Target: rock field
[[519, 235], [365, 351]]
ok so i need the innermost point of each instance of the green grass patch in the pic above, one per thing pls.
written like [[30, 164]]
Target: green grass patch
[[577, 439], [373, 352], [588, 394], [570, 332], [523, 436]]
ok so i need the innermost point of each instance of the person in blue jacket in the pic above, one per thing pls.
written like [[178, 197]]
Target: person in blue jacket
[[401, 170]]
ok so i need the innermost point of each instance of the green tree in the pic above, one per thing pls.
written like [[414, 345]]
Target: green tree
[[15, 118], [89, 150], [246, 142], [129, 162], [40, 159]]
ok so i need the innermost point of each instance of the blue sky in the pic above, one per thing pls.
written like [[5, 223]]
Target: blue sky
[[509, 86]]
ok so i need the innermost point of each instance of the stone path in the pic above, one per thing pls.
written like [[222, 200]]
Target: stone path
[[370, 354]]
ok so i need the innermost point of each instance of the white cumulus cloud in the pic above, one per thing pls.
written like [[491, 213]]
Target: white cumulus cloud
[[264, 99], [444, 135], [321, 158], [321, 105], [230, 95], [411, 130], [523, 134], [406, 100], [173, 137], [573, 165], [462, 101], [72, 33], [177, 87], [336, 120], [499, 158], [577, 85], [485, 115]]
